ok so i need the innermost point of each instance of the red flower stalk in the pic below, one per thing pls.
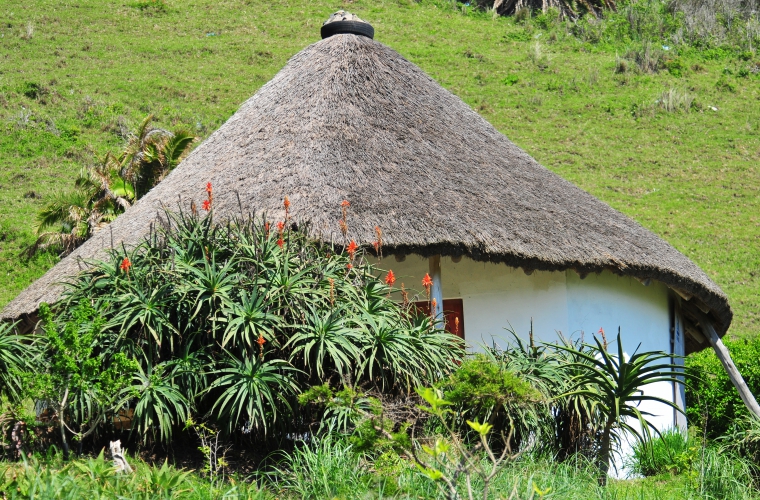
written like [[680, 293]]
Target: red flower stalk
[[344, 210], [351, 249], [404, 295], [349, 266], [427, 283], [261, 340], [266, 228], [206, 205], [378, 244], [604, 338], [280, 242], [286, 204], [125, 265], [390, 278], [208, 188], [280, 227], [193, 207], [433, 306], [456, 325]]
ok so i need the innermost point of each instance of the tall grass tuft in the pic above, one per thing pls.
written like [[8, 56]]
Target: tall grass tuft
[[667, 454], [326, 468], [673, 100]]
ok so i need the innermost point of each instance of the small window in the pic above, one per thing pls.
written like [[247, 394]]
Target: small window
[[453, 310]]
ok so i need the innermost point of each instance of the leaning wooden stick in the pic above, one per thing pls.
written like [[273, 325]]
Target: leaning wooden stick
[[728, 364]]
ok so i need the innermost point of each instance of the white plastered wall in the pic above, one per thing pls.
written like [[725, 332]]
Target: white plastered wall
[[496, 297]]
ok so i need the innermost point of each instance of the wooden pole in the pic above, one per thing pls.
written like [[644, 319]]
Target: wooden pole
[[436, 292], [725, 358]]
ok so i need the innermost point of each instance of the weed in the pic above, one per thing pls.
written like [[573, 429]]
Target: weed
[[724, 84], [510, 80], [673, 100], [538, 56], [522, 15], [151, 6], [621, 65], [647, 58], [28, 32]]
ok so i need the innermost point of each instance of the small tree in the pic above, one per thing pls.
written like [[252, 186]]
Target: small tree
[[78, 377], [613, 384]]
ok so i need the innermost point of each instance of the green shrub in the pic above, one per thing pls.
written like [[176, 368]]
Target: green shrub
[[712, 396]]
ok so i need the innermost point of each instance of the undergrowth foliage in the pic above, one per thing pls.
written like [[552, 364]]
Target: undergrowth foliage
[[230, 322]]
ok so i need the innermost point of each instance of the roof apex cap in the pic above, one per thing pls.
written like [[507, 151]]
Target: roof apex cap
[[342, 22]]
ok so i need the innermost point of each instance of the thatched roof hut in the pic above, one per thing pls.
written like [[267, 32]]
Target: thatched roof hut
[[349, 118]]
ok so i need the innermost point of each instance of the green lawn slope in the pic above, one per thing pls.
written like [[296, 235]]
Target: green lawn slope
[[76, 76]]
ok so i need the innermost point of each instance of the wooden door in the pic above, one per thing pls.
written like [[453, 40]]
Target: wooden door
[[453, 313]]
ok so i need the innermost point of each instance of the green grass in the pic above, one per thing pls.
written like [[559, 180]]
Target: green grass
[[90, 67], [333, 470]]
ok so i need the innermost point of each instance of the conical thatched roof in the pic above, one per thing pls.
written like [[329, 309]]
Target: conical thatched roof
[[349, 118]]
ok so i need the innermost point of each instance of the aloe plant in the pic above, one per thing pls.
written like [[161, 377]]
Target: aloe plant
[[613, 383]]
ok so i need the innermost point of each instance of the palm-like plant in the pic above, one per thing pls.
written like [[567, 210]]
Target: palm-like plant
[[252, 391], [248, 318], [613, 383], [62, 223], [151, 153], [325, 342], [143, 309], [160, 405], [387, 349], [208, 286], [104, 191], [15, 353], [197, 297]]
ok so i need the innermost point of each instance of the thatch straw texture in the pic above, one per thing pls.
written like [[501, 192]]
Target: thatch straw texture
[[350, 119]]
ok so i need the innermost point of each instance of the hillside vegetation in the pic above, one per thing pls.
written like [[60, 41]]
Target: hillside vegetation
[[666, 132]]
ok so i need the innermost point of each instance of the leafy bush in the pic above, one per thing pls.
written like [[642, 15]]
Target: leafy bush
[[485, 390], [712, 400]]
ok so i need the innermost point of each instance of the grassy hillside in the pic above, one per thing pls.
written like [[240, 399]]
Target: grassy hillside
[[676, 150]]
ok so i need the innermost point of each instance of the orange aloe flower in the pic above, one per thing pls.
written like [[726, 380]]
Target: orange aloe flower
[[390, 278], [427, 283], [351, 249], [125, 265], [206, 205]]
